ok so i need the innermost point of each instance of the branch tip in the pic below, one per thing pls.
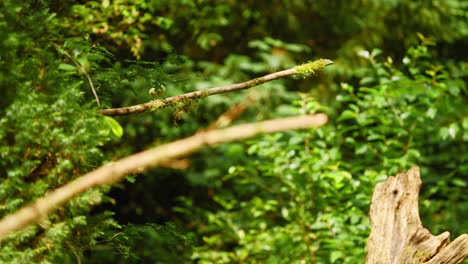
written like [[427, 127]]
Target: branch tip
[[312, 66]]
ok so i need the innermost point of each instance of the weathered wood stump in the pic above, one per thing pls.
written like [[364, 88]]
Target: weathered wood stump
[[397, 235]]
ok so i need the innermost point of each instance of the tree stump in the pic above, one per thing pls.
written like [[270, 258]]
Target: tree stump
[[397, 235]]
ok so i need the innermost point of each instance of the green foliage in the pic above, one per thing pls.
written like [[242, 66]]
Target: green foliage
[[305, 196], [49, 135], [286, 198], [148, 243], [45, 144]]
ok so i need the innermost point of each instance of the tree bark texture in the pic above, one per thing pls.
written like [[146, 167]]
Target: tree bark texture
[[397, 235]]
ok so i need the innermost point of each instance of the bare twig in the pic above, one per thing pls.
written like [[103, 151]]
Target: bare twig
[[306, 68], [90, 81], [116, 171], [83, 71]]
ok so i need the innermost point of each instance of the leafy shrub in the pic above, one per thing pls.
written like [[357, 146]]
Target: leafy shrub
[[304, 196], [292, 197]]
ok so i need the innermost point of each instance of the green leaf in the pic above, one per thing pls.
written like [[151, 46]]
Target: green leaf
[[130, 179], [335, 255], [367, 80], [115, 127], [459, 182], [95, 57], [453, 130], [66, 67], [347, 114], [164, 22]]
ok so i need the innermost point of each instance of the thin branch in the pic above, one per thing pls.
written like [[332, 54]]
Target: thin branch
[[77, 256], [306, 68], [116, 171], [82, 70], [90, 81]]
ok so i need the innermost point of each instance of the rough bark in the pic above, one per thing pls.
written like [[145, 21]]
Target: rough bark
[[397, 235]]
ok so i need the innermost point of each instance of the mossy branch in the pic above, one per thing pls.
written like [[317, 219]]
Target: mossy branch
[[303, 69], [139, 162]]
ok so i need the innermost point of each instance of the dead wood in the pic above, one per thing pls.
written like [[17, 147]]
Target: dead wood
[[397, 235]]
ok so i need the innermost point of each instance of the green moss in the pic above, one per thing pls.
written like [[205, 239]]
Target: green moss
[[312, 66], [420, 254], [157, 105], [204, 94]]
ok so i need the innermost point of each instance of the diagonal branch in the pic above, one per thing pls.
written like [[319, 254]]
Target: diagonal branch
[[116, 171], [306, 68], [83, 71]]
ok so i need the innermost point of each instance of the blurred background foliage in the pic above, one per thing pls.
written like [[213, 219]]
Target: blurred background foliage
[[396, 97]]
